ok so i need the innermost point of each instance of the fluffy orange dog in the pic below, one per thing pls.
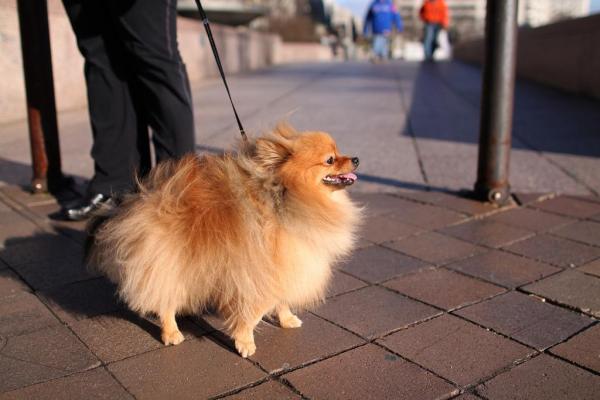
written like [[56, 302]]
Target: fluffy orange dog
[[249, 234]]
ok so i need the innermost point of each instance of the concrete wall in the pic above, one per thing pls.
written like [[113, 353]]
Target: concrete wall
[[564, 55], [240, 49]]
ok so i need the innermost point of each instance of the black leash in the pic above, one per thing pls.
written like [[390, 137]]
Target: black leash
[[218, 59]]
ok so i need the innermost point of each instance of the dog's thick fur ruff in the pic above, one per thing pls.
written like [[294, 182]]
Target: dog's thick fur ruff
[[246, 233]]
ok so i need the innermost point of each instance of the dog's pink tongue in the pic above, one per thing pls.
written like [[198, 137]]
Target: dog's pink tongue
[[349, 175]]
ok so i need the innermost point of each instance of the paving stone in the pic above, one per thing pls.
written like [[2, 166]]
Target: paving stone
[[582, 231], [467, 396], [486, 232], [343, 283], [569, 207], [376, 264], [269, 390], [554, 250], [42, 355], [542, 378], [526, 319], [527, 198], [94, 384], [368, 372], [380, 203], [81, 300], [595, 217], [41, 248], [22, 313], [428, 217], [387, 227], [455, 349], [54, 272], [374, 311], [571, 288], [11, 284], [14, 228], [279, 349], [443, 288], [530, 219], [120, 335], [592, 268], [503, 268], [194, 369], [582, 349], [453, 201], [435, 248]]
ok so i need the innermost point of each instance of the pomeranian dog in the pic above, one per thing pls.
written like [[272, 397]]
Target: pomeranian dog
[[248, 234]]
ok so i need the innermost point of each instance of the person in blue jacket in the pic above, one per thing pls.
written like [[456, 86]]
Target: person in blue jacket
[[382, 17]]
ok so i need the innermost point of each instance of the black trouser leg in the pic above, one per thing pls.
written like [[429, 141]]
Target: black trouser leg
[[148, 30], [120, 133]]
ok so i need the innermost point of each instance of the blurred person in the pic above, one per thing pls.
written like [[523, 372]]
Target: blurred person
[[434, 13], [135, 78], [382, 17]]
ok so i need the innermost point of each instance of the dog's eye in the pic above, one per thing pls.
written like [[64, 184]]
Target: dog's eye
[[330, 161]]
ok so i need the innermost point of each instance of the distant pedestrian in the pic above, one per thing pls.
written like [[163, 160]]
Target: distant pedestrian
[[434, 14], [382, 17]]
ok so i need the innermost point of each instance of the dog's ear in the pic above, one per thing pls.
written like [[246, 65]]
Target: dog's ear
[[285, 130], [272, 153]]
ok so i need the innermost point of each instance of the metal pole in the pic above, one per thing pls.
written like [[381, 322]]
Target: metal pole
[[497, 101], [39, 87]]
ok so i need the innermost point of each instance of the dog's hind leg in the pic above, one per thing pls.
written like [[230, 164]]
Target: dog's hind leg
[[170, 331], [286, 318]]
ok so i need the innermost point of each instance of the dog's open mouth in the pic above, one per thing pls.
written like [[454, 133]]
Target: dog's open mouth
[[341, 179]]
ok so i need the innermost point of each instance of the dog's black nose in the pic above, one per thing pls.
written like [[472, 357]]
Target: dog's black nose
[[355, 161]]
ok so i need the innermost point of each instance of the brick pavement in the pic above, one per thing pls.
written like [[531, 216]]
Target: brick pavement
[[443, 298]]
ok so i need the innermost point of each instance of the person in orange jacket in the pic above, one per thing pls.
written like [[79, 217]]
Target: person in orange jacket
[[434, 13]]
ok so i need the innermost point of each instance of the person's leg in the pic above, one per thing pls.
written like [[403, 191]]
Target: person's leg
[[117, 130], [428, 41], [379, 46], [149, 33]]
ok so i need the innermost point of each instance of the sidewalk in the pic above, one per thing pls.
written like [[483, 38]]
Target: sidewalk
[[444, 297]]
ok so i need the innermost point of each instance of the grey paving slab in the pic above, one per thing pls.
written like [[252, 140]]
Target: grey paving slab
[[280, 349], [11, 284], [592, 268], [191, 370], [503, 268], [96, 384], [373, 311], [571, 288], [376, 264], [555, 250], [342, 283], [387, 227], [435, 248], [80, 300], [270, 390], [368, 372], [531, 219], [455, 349], [42, 355], [584, 231], [568, 206], [526, 319], [486, 232], [115, 336], [23, 313], [541, 378], [443, 288], [582, 349]]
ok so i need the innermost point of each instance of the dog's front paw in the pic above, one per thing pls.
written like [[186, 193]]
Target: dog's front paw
[[173, 337], [246, 349], [290, 322]]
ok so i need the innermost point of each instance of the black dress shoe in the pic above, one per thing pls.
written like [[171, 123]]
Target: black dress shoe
[[85, 208]]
